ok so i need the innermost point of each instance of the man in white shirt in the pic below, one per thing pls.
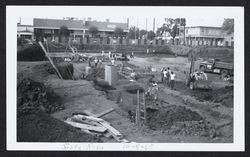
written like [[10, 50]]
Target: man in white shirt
[[172, 80], [96, 61], [113, 61], [165, 73]]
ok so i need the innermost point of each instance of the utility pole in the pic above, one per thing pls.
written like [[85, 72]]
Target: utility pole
[[154, 25], [184, 24]]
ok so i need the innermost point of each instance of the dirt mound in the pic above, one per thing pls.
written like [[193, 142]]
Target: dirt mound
[[34, 124], [166, 117], [102, 85], [223, 95], [179, 120], [41, 127], [32, 53], [33, 97]]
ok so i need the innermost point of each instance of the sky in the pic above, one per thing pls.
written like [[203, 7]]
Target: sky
[[140, 22], [195, 16]]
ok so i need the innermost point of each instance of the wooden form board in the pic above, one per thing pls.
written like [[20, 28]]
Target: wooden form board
[[85, 126]]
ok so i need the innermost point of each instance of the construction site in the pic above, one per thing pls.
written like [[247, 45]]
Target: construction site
[[124, 94]]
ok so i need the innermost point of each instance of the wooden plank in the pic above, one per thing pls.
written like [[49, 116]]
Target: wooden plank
[[78, 119], [88, 113], [91, 133], [92, 118], [85, 126], [52, 63], [104, 113]]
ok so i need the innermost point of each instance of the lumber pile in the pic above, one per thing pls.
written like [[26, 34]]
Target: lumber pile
[[92, 124]]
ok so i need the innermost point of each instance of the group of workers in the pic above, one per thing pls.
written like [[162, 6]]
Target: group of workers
[[168, 77], [97, 61]]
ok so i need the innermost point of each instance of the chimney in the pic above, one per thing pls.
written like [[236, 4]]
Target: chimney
[[89, 18]]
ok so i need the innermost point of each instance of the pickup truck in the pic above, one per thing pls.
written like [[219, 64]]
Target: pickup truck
[[216, 66]]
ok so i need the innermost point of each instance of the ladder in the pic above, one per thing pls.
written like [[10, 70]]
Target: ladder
[[141, 114]]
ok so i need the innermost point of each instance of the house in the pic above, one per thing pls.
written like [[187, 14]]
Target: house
[[204, 35], [25, 31], [79, 29]]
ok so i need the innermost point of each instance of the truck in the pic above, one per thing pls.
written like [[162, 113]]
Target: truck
[[217, 66]]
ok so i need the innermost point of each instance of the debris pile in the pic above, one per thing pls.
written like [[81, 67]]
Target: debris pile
[[33, 97], [92, 124]]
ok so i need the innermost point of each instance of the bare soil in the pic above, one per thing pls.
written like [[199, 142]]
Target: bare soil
[[181, 115]]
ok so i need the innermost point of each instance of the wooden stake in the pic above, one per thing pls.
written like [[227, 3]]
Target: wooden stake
[[144, 108], [138, 107], [52, 63]]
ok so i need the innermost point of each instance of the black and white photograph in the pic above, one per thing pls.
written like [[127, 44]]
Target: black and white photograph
[[140, 78]]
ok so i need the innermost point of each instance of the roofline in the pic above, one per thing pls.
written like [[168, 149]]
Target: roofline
[[59, 28], [25, 25], [202, 26], [206, 36]]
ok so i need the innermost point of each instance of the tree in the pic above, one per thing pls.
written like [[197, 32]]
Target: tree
[[93, 30], [133, 33], [169, 26], [143, 33], [151, 35], [64, 33], [228, 26], [118, 31]]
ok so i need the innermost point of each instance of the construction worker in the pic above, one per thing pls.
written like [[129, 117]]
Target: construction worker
[[100, 63], [172, 79], [165, 76], [168, 76], [112, 61], [154, 90], [96, 62], [162, 75], [110, 55], [89, 61]]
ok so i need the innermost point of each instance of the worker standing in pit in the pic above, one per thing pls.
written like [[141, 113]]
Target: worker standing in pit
[[110, 55], [155, 90], [172, 80], [113, 61]]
